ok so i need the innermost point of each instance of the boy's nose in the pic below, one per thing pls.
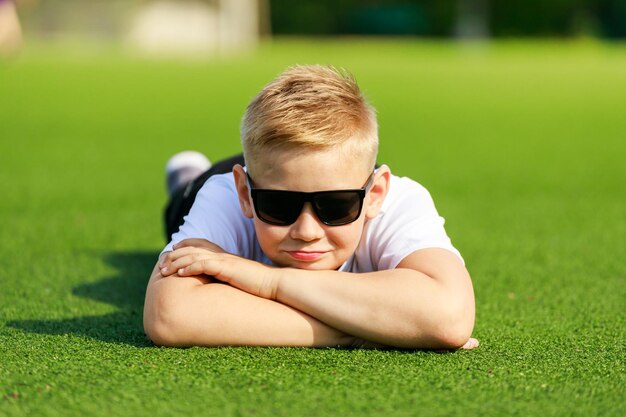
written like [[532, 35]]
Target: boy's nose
[[307, 227]]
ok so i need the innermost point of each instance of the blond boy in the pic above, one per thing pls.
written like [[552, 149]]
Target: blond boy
[[310, 244]]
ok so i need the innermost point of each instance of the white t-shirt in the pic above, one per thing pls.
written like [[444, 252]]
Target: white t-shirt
[[407, 222]]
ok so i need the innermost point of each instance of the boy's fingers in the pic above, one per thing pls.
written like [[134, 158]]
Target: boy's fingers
[[471, 344], [183, 244], [187, 260], [163, 259], [181, 262], [179, 253], [204, 266], [203, 259]]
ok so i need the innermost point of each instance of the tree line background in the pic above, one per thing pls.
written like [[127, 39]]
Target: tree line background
[[443, 18], [604, 19]]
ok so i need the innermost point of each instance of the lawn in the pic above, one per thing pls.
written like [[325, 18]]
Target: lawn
[[522, 145]]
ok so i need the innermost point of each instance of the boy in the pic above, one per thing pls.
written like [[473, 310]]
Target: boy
[[316, 246]]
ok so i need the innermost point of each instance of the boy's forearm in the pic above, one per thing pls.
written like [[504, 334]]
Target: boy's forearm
[[386, 309], [401, 307], [191, 312], [427, 302]]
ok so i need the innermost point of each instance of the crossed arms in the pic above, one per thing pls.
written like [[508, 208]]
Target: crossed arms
[[199, 295]]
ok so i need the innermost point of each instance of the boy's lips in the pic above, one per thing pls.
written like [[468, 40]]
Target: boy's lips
[[302, 255]]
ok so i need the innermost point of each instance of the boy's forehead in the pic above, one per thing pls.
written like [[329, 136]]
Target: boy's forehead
[[308, 171]]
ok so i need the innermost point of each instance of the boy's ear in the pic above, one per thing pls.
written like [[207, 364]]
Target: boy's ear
[[378, 191], [242, 191]]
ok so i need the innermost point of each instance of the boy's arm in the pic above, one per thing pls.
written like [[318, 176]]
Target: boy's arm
[[427, 302], [194, 311]]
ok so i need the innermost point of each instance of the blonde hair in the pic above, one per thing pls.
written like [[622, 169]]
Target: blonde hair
[[311, 107]]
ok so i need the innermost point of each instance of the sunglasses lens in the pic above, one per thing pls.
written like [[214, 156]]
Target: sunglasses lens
[[333, 208], [338, 208], [278, 207]]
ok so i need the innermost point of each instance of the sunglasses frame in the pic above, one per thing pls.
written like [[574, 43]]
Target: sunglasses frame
[[309, 197]]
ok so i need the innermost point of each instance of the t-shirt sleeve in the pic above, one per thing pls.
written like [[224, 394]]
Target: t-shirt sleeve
[[216, 216], [409, 222]]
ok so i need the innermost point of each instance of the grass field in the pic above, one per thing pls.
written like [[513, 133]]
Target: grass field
[[522, 145]]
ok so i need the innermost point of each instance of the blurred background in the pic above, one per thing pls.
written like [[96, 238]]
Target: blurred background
[[94, 91], [225, 26]]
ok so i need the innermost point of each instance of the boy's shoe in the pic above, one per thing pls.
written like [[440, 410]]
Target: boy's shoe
[[183, 168]]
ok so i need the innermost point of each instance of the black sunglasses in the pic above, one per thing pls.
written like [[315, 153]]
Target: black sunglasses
[[333, 208]]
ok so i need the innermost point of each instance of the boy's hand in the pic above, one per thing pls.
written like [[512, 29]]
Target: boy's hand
[[471, 344], [164, 260], [249, 276]]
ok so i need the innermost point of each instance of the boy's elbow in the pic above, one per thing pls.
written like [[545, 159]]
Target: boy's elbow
[[456, 329], [158, 330], [452, 337], [451, 330], [160, 316]]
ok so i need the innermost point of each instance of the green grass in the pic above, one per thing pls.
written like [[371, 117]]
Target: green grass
[[522, 146]]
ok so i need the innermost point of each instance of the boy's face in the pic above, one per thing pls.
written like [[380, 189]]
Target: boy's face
[[308, 243]]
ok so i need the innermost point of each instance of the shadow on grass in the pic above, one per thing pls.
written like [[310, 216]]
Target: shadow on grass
[[126, 290]]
